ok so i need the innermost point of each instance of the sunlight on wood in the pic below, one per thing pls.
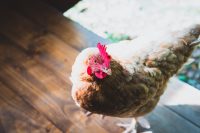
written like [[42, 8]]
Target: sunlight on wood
[[179, 93]]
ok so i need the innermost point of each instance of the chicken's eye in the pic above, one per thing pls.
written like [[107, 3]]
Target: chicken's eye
[[95, 61]]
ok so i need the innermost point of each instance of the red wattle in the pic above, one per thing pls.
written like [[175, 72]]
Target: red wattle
[[89, 71], [100, 74]]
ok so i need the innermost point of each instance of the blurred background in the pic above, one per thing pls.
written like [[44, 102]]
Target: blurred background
[[119, 20]]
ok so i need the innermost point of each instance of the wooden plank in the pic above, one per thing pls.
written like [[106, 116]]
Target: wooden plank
[[18, 116], [53, 54], [44, 46], [163, 120], [57, 53], [26, 86], [183, 99], [62, 5], [43, 90], [70, 32], [35, 44], [13, 24]]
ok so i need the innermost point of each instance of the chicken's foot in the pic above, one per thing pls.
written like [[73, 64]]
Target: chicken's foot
[[144, 123], [137, 125], [129, 127], [87, 113]]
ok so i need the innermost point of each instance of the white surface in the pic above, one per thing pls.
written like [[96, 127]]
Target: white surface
[[135, 17]]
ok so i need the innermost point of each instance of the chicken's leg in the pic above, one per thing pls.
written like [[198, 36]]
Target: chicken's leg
[[142, 122], [129, 127], [87, 113], [132, 127]]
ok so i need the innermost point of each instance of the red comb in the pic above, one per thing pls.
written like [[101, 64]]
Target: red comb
[[104, 54]]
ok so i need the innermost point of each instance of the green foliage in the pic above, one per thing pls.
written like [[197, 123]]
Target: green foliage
[[116, 37], [183, 78]]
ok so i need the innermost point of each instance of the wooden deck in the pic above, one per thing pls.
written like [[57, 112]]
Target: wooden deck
[[37, 49]]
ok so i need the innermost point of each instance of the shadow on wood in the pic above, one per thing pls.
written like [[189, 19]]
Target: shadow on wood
[[165, 120]]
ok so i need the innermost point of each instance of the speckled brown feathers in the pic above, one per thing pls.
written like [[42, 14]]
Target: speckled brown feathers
[[134, 93]]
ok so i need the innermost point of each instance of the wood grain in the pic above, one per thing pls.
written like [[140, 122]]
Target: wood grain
[[61, 5], [36, 83], [16, 115], [184, 100], [53, 21], [39, 67], [164, 120]]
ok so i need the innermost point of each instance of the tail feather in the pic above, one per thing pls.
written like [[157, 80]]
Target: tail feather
[[195, 31], [196, 42]]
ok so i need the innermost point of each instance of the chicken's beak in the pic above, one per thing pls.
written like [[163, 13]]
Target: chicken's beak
[[108, 71]]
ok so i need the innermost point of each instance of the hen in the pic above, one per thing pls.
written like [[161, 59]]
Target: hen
[[128, 78]]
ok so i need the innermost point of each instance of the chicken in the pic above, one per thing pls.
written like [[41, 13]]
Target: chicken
[[127, 79]]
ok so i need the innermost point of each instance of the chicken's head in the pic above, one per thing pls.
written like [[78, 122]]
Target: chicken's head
[[94, 88], [91, 64], [99, 64]]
